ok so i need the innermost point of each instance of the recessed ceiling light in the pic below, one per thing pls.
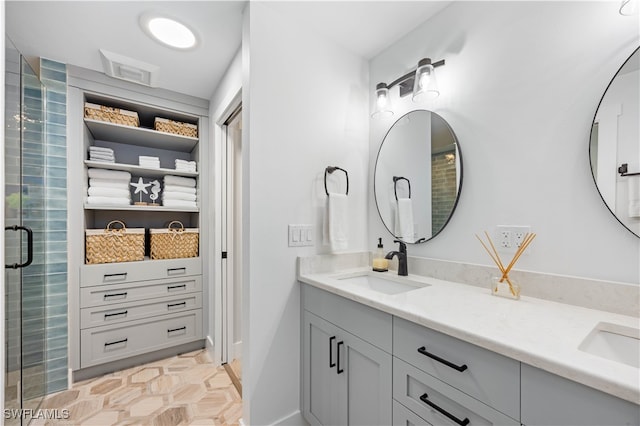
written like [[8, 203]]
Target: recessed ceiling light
[[168, 31]]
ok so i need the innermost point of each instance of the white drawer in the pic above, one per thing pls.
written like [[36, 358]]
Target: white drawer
[[114, 294], [402, 416], [126, 272], [106, 315], [486, 376], [439, 403], [103, 344]]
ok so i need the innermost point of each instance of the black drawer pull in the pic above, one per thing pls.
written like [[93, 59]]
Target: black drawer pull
[[173, 305], [116, 295], [173, 287], [171, 330], [339, 370], [116, 342], [115, 314], [331, 363], [176, 271], [115, 277], [424, 352], [425, 398]]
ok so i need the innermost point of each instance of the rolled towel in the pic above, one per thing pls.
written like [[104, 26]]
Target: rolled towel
[[170, 195], [177, 188], [179, 203], [115, 175], [109, 201], [109, 192], [105, 183], [179, 180]]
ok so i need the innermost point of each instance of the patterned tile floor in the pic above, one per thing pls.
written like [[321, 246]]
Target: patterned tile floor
[[184, 390]]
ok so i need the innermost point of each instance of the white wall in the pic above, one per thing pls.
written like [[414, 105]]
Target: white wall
[[520, 88], [308, 106]]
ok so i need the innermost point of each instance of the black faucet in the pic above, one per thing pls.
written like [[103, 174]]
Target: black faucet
[[402, 258]]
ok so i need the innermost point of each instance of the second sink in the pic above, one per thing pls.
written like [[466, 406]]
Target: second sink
[[382, 285]]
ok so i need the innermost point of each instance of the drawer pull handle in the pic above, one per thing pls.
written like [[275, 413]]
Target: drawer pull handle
[[339, 370], [115, 314], [331, 363], [171, 330], [116, 295], [176, 271], [173, 305], [173, 287], [116, 342], [460, 368], [115, 277], [425, 398]]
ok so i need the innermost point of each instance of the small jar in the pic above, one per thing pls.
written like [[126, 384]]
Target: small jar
[[509, 289]]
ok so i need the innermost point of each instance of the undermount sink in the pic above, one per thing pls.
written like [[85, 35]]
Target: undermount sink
[[614, 342], [382, 285]]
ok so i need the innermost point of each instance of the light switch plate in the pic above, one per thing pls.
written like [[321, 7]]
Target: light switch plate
[[300, 235]]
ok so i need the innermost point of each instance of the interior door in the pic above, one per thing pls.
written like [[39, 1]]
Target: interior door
[[25, 349]]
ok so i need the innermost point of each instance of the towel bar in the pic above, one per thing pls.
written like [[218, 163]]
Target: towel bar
[[330, 170], [395, 187], [623, 170]]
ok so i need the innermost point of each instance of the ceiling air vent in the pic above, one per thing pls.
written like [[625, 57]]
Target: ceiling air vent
[[129, 69]]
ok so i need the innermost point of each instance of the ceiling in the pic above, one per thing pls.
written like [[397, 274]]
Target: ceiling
[[72, 32]]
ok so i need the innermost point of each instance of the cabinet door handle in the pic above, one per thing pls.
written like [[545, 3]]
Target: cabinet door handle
[[460, 368], [115, 277], [339, 370], [171, 330], [331, 363], [115, 295], [116, 342], [176, 271], [425, 398], [115, 314], [173, 305], [173, 287]]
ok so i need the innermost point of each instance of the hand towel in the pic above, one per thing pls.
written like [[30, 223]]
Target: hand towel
[[105, 183], [170, 195], [179, 203], [109, 192], [404, 220], [115, 175], [633, 189], [336, 222], [109, 201], [177, 188], [179, 180]]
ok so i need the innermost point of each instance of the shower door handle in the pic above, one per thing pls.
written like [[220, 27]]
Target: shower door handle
[[29, 246]]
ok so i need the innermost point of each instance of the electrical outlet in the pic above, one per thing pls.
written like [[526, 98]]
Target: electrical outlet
[[504, 237], [518, 234], [510, 237]]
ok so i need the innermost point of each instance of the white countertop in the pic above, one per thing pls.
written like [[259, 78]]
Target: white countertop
[[538, 332]]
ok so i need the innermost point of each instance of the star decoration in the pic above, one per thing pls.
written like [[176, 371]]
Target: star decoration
[[140, 186]]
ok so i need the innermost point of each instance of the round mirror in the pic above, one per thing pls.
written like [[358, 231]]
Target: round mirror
[[417, 177], [614, 148]]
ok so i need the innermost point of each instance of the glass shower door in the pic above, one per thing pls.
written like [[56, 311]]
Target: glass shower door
[[25, 180]]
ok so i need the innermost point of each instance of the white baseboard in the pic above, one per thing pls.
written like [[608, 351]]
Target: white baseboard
[[293, 419]]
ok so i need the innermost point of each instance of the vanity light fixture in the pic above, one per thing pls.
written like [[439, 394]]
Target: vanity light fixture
[[628, 7], [168, 31], [421, 83]]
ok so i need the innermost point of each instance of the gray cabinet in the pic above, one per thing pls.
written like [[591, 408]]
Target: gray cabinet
[[346, 379], [551, 400]]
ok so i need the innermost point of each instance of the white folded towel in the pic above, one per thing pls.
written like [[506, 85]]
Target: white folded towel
[[179, 203], [109, 201], [179, 180], [185, 162], [101, 155], [177, 188], [100, 149], [404, 220], [633, 189], [336, 222], [170, 195], [105, 183], [147, 158], [109, 174], [100, 191]]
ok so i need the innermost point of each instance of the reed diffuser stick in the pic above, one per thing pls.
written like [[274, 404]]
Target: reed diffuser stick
[[525, 243], [496, 259]]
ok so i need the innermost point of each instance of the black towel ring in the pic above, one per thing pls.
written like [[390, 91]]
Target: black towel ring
[[330, 170], [395, 185]]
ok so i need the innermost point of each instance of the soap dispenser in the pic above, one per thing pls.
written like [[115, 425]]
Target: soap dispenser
[[380, 264]]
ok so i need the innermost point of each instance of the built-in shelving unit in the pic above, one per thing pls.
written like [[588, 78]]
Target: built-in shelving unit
[[140, 136]]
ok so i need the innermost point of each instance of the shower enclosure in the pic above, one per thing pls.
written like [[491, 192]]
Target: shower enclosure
[[25, 236]]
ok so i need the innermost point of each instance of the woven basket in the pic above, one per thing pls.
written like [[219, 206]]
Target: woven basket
[[176, 127], [174, 243], [114, 244], [111, 115]]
